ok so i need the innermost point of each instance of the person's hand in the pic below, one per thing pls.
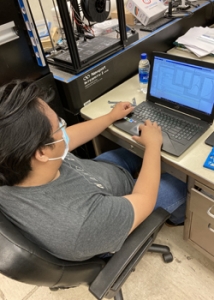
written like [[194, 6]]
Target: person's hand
[[150, 135], [121, 110]]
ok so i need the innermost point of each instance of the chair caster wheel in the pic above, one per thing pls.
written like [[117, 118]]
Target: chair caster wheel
[[168, 257]]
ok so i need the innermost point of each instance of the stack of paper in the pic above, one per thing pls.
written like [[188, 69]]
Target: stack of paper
[[199, 40]]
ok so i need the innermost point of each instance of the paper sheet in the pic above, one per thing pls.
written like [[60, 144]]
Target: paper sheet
[[199, 40]]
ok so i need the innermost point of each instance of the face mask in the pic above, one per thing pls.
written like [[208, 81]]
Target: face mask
[[66, 139]]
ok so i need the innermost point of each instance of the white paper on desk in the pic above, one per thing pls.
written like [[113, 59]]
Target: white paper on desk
[[208, 36], [193, 38], [198, 52]]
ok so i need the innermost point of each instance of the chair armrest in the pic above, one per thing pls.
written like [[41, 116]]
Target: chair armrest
[[123, 262]]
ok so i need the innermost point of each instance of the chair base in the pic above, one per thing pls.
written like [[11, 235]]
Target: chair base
[[119, 295], [164, 250]]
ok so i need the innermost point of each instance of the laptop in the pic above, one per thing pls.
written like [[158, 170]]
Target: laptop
[[180, 98]]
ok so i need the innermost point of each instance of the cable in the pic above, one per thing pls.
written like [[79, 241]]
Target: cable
[[78, 21]]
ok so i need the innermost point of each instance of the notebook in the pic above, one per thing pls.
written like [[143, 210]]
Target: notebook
[[180, 98]]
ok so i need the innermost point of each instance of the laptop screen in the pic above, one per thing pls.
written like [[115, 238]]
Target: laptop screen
[[187, 84]]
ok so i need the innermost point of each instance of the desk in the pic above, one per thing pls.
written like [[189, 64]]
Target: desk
[[199, 225]]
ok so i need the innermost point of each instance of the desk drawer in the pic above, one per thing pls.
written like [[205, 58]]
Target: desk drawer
[[202, 204], [202, 222], [202, 233]]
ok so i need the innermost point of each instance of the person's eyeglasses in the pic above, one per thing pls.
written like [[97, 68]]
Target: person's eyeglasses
[[62, 124]]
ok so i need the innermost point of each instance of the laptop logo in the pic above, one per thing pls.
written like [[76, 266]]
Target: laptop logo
[[177, 107]]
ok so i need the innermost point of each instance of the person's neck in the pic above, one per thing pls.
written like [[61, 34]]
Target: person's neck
[[39, 177]]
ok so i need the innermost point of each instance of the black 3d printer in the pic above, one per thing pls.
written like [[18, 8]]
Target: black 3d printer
[[83, 52], [83, 48]]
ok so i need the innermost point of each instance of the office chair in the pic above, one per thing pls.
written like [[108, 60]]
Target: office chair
[[22, 260]]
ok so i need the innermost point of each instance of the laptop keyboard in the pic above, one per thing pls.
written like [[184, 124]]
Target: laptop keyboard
[[175, 127]]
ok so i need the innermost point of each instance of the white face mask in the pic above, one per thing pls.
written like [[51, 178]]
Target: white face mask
[[66, 139]]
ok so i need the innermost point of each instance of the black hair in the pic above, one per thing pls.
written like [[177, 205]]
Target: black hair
[[24, 128]]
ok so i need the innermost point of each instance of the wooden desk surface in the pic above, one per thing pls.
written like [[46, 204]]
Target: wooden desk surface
[[190, 162]]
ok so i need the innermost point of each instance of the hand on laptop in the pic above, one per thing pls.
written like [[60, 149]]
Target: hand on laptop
[[150, 135]]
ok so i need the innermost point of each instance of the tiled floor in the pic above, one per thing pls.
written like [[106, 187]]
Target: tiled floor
[[189, 277]]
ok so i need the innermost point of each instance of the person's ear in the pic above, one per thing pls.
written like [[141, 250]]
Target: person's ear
[[41, 154]]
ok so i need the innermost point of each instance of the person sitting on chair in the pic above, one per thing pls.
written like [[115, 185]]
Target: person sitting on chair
[[77, 208]]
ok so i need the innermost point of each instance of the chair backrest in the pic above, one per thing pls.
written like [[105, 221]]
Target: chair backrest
[[24, 261]]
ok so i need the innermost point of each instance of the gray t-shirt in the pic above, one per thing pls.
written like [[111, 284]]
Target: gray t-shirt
[[78, 215]]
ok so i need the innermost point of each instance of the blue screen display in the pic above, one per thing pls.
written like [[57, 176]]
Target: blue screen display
[[182, 83]]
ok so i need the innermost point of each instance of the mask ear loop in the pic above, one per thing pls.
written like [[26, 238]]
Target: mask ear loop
[[66, 141], [55, 158]]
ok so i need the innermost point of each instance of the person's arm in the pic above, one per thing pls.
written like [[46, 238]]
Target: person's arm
[[83, 132], [145, 191]]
